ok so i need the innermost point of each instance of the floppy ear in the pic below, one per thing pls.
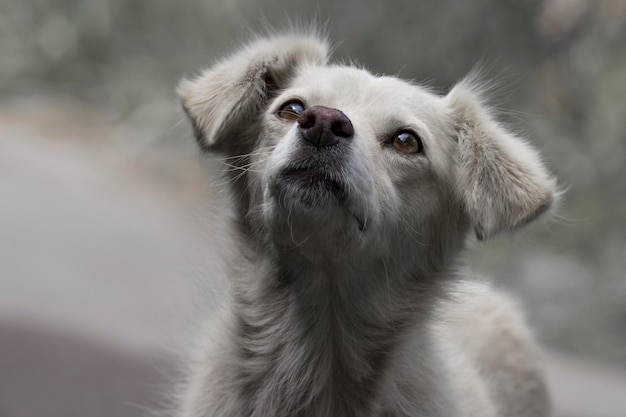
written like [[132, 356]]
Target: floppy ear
[[501, 182], [228, 98]]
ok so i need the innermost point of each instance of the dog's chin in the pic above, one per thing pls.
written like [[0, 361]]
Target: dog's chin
[[314, 204], [310, 189]]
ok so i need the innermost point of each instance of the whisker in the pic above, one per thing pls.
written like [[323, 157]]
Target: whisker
[[407, 224], [393, 324]]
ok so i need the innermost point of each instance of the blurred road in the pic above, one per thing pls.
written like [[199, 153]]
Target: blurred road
[[97, 267]]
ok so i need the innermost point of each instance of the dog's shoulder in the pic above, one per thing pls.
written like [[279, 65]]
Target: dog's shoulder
[[482, 331]]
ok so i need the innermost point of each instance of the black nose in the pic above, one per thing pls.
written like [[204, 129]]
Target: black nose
[[323, 126]]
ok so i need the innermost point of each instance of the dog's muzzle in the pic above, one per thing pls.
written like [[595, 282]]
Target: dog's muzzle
[[318, 171]]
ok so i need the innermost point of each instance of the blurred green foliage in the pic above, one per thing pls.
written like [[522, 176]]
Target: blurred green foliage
[[560, 63]]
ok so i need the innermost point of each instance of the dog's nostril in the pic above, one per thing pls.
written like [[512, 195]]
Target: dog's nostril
[[306, 120], [342, 127]]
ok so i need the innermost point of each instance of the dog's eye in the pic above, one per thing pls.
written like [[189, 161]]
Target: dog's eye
[[291, 110], [407, 142]]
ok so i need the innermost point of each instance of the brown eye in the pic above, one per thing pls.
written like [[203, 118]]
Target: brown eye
[[291, 110], [407, 142]]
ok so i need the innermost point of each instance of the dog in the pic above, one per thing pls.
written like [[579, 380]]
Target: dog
[[354, 196]]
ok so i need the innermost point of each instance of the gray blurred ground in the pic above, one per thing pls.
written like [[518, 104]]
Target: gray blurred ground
[[97, 263], [100, 263]]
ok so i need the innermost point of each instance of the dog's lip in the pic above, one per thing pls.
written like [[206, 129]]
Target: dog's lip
[[307, 175], [361, 222]]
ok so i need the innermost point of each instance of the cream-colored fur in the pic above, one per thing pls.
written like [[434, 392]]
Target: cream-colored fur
[[346, 297]]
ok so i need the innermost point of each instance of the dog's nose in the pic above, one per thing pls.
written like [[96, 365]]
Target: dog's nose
[[323, 126]]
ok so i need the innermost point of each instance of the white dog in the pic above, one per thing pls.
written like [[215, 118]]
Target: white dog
[[355, 195]]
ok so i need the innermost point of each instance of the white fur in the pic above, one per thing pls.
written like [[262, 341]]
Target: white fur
[[349, 302]]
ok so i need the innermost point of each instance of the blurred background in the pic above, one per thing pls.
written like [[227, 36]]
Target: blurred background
[[107, 211]]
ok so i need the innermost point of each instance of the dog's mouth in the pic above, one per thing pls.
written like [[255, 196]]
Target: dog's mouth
[[315, 187], [312, 184]]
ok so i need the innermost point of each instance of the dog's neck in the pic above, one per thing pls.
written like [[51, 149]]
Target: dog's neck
[[319, 340]]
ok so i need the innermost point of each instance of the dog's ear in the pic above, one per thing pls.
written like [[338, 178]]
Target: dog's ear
[[502, 183], [229, 97]]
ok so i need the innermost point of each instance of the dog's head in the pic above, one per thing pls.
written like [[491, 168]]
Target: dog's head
[[328, 157]]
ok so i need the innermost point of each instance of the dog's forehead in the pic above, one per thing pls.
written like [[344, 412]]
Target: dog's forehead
[[347, 87]]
